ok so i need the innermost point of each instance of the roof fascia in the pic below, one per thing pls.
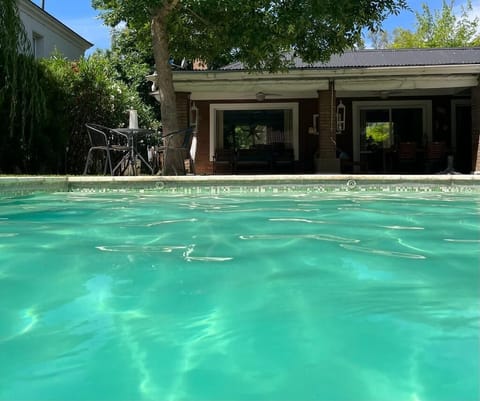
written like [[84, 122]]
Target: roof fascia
[[306, 83], [334, 73]]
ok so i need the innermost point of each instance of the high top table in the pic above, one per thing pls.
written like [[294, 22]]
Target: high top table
[[133, 154]]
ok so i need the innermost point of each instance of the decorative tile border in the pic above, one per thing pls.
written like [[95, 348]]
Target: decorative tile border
[[26, 185], [215, 185]]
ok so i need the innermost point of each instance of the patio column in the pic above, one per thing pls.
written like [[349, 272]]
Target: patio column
[[183, 109], [476, 129], [326, 160]]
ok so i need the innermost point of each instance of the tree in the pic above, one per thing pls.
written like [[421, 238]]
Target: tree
[[263, 34], [440, 28], [379, 39], [132, 63]]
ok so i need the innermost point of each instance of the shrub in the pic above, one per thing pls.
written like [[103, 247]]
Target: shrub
[[86, 91], [45, 104]]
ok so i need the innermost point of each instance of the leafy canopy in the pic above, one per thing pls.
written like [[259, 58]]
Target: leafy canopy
[[256, 32], [439, 28]]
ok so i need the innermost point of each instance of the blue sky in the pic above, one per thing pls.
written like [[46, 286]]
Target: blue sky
[[83, 19]]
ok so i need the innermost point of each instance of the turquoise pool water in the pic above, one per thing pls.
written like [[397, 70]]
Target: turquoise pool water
[[337, 296]]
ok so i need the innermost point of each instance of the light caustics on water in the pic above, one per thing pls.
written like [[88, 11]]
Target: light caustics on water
[[148, 296]]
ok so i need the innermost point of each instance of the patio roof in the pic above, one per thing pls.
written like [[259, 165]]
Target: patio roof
[[387, 58], [362, 73]]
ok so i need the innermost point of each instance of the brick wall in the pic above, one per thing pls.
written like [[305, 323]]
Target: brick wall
[[183, 109], [476, 129], [326, 122], [203, 164]]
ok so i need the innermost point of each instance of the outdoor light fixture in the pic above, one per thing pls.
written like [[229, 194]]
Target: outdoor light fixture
[[341, 117], [193, 114], [313, 130]]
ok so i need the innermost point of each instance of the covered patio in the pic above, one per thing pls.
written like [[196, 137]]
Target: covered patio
[[411, 111]]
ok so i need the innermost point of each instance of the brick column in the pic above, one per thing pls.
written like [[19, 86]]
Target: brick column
[[327, 161], [183, 109], [476, 130]]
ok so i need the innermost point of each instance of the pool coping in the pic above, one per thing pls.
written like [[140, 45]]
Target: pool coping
[[22, 185]]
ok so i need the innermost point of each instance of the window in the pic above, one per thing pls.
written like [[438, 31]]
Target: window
[[37, 44], [251, 125], [383, 124]]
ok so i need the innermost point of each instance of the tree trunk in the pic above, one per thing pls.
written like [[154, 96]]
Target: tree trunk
[[160, 42]]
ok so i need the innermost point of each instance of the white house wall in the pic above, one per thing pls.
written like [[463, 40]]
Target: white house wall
[[52, 33]]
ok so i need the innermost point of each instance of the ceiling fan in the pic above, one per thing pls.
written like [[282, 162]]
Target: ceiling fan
[[385, 94], [260, 96]]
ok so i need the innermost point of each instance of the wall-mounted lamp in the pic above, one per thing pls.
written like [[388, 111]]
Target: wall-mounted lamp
[[313, 130], [193, 114], [341, 117]]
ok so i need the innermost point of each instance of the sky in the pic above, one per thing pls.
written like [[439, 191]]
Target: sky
[[83, 19]]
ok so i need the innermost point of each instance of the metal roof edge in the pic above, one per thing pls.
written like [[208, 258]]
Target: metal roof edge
[[238, 66], [309, 73]]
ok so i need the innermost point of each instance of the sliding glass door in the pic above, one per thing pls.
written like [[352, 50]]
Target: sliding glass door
[[254, 125], [244, 129], [379, 128]]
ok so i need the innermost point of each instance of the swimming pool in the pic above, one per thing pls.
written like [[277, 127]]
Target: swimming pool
[[279, 296]]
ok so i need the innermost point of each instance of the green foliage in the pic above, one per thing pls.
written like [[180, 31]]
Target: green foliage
[[266, 34], [132, 63], [378, 134], [379, 39], [440, 28], [45, 104], [22, 101], [257, 32], [88, 90]]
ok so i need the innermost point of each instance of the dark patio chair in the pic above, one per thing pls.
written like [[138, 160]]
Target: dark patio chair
[[254, 160], [435, 156], [283, 159], [107, 143], [224, 161], [407, 156], [177, 144]]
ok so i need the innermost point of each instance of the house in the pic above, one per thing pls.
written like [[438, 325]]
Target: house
[[357, 113], [48, 34]]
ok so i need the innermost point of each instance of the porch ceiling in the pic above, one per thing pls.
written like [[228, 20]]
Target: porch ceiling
[[364, 82]]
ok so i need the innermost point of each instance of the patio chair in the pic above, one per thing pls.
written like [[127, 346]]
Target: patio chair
[[254, 160], [225, 159], [407, 156], [177, 148], [435, 156], [283, 159], [107, 142]]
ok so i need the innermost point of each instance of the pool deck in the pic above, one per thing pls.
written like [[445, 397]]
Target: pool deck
[[20, 185]]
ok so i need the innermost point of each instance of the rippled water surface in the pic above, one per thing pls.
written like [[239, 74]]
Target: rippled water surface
[[137, 296]]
